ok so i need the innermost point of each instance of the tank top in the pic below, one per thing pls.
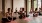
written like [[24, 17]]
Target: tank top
[[8, 14]]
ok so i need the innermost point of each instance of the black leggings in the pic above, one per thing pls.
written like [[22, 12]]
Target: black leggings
[[20, 17], [14, 18], [9, 18], [4, 19]]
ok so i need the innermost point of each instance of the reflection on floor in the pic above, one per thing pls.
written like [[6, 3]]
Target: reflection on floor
[[27, 20]]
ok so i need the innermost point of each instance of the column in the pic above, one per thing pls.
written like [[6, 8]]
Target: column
[[3, 7], [26, 6], [12, 5], [41, 4]]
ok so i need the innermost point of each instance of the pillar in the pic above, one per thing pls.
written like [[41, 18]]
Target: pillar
[[3, 7], [26, 6], [41, 4], [12, 4]]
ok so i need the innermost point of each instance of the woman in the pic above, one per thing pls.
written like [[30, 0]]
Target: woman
[[7, 17], [31, 13], [36, 13], [40, 11], [8, 14]]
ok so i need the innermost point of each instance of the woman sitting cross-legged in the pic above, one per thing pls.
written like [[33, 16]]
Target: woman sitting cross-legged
[[7, 16]]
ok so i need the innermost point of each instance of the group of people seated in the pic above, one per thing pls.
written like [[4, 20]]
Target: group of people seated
[[9, 15], [34, 13], [22, 13], [38, 12]]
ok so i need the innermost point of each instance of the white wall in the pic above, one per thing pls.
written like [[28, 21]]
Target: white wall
[[8, 4], [18, 4], [0, 5]]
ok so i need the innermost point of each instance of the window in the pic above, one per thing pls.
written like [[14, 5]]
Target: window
[[35, 4], [28, 6]]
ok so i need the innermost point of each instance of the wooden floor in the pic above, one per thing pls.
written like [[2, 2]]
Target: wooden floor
[[28, 20]]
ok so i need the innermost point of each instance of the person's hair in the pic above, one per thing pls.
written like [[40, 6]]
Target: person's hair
[[11, 10], [23, 9], [36, 9], [8, 9]]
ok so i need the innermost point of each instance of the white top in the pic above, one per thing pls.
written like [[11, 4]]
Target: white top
[[23, 12], [30, 14], [8, 14]]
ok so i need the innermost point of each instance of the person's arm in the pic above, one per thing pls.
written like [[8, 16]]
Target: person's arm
[[11, 14], [6, 15]]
